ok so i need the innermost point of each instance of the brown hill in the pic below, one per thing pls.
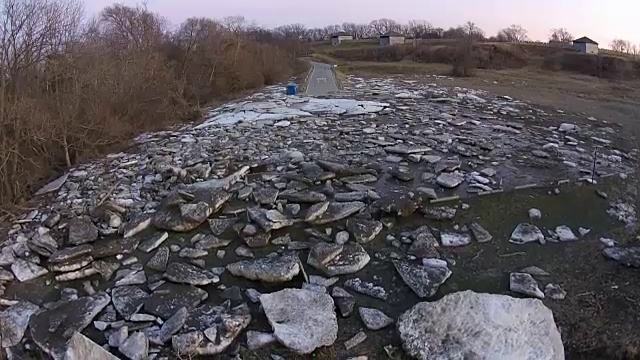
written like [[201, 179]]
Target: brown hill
[[495, 56]]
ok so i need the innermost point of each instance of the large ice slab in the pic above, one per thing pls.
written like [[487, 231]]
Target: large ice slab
[[342, 106], [295, 107]]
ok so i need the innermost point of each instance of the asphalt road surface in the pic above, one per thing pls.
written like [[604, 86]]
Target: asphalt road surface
[[322, 80]]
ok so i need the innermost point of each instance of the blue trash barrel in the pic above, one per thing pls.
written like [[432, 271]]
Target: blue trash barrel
[[292, 89]]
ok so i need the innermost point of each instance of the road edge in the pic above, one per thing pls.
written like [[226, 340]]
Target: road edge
[[336, 78], [306, 79]]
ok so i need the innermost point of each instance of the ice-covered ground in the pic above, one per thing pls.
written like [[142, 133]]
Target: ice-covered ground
[[287, 109], [152, 239]]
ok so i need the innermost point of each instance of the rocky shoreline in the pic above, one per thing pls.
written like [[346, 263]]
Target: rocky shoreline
[[148, 252]]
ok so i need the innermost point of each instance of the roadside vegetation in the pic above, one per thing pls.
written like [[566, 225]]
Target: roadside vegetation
[[463, 62], [72, 87]]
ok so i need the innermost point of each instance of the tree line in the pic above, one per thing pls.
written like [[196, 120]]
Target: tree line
[[414, 28], [422, 29], [625, 46]]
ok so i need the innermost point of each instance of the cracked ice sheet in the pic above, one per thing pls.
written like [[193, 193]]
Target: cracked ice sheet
[[342, 106], [279, 110], [259, 112]]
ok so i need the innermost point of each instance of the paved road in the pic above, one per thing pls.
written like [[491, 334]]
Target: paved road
[[321, 81]]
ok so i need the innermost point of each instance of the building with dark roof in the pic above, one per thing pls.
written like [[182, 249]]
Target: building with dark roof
[[391, 39], [585, 45], [340, 37]]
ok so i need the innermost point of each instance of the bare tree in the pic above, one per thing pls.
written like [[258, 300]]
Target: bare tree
[[331, 30], [358, 31], [206, 50], [292, 31], [350, 28], [193, 30], [263, 35], [404, 30], [237, 24], [384, 26], [473, 31], [464, 63], [514, 33], [419, 28], [435, 33], [130, 27], [377, 27], [31, 33], [621, 45], [31, 30], [192, 35], [363, 31], [316, 34], [560, 34], [454, 33], [468, 30]]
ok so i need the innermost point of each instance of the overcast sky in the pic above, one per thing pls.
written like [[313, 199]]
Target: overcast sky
[[598, 19]]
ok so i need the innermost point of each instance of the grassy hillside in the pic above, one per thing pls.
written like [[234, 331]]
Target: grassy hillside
[[488, 56]]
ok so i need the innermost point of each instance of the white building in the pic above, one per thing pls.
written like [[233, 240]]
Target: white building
[[391, 39], [585, 45], [340, 37]]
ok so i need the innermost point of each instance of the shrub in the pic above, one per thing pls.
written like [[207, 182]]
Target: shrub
[[463, 62]]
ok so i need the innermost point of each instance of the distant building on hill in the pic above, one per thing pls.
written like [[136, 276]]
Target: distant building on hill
[[391, 39], [585, 45], [340, 37]]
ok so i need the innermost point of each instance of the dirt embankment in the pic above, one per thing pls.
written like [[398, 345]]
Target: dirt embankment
[[602, 66], [499, 56]]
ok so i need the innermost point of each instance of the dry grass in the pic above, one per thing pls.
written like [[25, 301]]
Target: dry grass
[[364, 68], [613, 101], [327, 59], [353, 44]]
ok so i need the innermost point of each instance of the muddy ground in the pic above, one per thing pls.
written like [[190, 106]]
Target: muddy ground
[[599, 317]]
